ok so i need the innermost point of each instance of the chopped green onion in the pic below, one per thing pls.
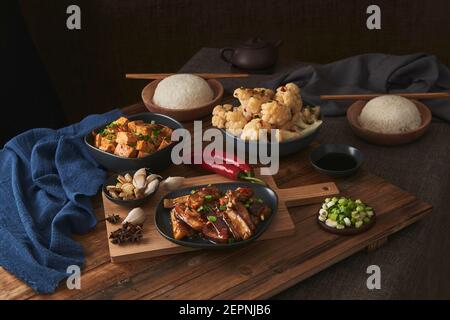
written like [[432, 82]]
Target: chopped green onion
[[341, 213], [152, 122], [223, 208], [201, 208], [208, 197], [193, 191], [212, 218]]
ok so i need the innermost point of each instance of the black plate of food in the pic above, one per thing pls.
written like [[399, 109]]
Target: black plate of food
[[216, 216], [133, 142]]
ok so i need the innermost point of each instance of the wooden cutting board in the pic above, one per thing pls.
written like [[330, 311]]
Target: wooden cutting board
[[153, 244]]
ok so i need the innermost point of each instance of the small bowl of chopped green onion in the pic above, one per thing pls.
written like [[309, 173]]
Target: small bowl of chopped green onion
[[345, 216]]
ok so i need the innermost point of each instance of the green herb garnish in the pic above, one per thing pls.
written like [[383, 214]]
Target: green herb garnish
[[156, 132], [208, 197], [223, 208], [111, 125], [212, 218], [193, 191]]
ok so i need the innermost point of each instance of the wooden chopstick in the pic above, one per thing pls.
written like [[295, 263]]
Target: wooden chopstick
[[417, 96], [156, 76]]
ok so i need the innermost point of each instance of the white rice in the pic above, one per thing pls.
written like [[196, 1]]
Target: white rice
[[390, 114], [182, 91]]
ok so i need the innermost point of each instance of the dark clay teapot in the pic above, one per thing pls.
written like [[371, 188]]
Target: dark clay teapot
[[253, 54]]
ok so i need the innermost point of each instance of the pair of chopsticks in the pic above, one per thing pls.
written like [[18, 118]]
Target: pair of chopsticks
[[157, 76], [416, 96]]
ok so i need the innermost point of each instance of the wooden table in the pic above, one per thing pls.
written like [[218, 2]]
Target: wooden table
[[277, 266]]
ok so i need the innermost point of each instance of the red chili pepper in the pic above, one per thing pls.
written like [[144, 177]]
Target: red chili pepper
[[226, 158], [230, 168]]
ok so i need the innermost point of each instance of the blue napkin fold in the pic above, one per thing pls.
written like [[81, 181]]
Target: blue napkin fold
[[372, 73], [47, 179]]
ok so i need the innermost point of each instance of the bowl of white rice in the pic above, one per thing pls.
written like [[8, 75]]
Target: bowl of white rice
[[389, 119], [183, 97]]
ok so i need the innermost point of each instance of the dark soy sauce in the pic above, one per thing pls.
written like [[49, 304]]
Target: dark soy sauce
[[336, 162]]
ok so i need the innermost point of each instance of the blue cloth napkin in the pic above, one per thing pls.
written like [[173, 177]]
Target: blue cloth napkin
[[372, 73], [47, 179]]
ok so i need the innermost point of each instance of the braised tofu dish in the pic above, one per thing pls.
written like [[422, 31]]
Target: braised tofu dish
[[132, 139], [220, 217]]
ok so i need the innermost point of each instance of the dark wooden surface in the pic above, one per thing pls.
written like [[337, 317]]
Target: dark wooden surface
[[257, 271], [87, 67]]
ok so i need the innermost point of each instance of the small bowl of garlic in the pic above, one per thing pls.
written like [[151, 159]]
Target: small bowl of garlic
[[131, 189]]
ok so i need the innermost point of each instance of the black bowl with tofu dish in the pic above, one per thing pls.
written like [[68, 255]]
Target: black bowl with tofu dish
[[132, 142]]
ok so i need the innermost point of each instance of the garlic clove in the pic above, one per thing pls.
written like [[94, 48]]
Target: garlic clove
[[152, 177], [141, 171], [151, 187], [139, 181], [173, 183], [135, 216]]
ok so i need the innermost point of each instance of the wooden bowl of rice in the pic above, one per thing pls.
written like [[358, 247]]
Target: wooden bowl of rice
[[387, 139], [183, 113]]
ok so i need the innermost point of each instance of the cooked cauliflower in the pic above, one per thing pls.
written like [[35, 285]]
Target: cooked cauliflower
[[283, 135], [219, 115], [235, 121], [263, 109], [252, 129], [275, 113], [289, 95], [252, 99]]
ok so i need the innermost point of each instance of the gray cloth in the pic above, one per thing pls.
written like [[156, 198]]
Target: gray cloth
[[372, 73], [415, 263], [366, 73]]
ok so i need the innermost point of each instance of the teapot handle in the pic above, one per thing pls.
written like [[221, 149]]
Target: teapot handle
[[223, 54]]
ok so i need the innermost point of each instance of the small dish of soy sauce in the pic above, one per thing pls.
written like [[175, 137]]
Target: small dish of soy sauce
[[336, 160]]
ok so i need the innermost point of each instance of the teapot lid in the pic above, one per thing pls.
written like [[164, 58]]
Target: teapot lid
[[255, 43]]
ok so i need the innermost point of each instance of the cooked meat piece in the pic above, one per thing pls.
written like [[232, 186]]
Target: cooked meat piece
[[239, 225], [179, 228], [144, 129], [242, 211], [125, 151], [164, 143], [127, 138], [233, 232], [145, 146], [216, 231], [122, 121], [244, 194], [259, 210], [170, 203], [142, 154], [132, 125], [190, 217]]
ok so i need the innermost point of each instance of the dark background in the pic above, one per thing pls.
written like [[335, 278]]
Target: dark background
[[56, 76]]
